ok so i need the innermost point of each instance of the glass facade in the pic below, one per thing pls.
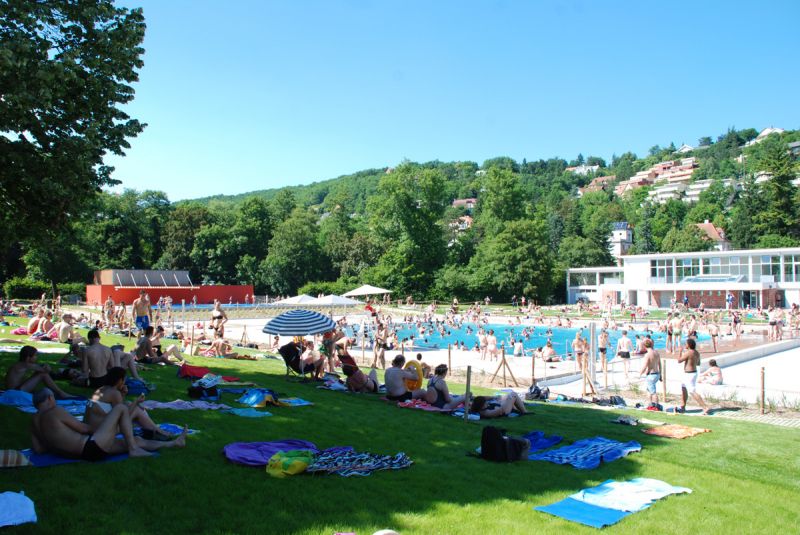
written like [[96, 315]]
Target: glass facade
[[791, 268], [662, 270], [583, 279], [687, 267]]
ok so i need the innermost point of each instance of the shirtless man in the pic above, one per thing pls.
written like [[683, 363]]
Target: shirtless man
[[96, 361], [46, 323], [482, 343], [395, 378], [66, 331], [624, 347], [677, 326], [55, 430], [142, 311], [602, 344], [381, 337], [713, 331], [691, 360], [652, 369], [145, 352], [108, 309], [17, 376]]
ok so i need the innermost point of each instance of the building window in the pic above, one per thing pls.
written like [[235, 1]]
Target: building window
[[770, 268], [688, 267], [791, 268], [662, 270], [583, 279]]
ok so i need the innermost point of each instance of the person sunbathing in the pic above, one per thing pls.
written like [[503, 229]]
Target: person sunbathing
[[358, 381], [111, 394], [146, 353], [171, 351], [17, 377], [33, 324], [395, 377], [438, 394], [495, 407], [56, 431], [66, 331], [95, 360], [713, 375]]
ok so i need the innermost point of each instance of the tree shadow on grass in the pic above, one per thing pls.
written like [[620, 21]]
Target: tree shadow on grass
[[198, 490]]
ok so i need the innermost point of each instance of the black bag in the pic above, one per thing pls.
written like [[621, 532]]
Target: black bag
[[496, 446], [198, 392], [534, 393]]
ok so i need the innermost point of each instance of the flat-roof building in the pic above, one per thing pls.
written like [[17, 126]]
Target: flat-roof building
[[756, 277]]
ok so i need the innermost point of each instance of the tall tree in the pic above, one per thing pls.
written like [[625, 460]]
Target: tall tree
[[65, 72]]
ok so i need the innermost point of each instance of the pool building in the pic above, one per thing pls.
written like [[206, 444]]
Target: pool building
[[754, 277]]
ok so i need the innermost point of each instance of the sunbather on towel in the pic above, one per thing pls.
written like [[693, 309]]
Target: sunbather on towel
[[495, 407], [438, 394], [54, 430], [17, 377], [395, 377], [111, 394], [146, 353], [358, 381]]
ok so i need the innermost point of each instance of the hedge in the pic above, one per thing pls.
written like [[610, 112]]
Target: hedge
[[24, 288]]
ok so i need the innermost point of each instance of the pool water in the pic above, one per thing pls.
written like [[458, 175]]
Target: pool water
[[532, 336]]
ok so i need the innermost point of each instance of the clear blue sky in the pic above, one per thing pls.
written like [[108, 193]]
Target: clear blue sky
[[247, 95]]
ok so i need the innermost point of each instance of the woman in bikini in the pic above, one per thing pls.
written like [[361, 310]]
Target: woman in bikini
[[438, 394], [218, 318], [495, 407]]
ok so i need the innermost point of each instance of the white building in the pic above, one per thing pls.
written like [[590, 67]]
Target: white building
[[583, 169], [693, 190], [757, 277], [661, 194], [621, 239]]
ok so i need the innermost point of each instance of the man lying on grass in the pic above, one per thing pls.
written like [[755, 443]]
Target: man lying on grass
[[56, 431], [17, 377]]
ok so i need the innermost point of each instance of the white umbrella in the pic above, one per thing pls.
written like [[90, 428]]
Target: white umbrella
[[301, 299], [366, 290], [335, 300]]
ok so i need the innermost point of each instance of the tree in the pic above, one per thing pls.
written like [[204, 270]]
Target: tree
[[643, 241], [180, 231], [501, 200], [780, 214], [65, 72], [688, 239], [294, 254], [704, 141], [747, 207], [595, 160], [577, 251]]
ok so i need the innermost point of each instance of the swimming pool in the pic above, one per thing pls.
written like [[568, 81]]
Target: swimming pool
[[532, 336]]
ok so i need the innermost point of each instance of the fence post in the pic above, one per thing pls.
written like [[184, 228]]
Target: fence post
[[762, 391], [466, 395], [664, 379], [449, 364]]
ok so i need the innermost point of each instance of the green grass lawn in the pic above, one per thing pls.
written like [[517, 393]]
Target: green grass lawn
[[745, 476]]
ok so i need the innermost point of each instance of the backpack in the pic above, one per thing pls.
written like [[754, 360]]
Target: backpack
[[198, 392], [496, 446]]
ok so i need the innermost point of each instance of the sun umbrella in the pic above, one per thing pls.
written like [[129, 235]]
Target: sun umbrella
[[366, 290], [299, 323], [296, 300], [335, 300]]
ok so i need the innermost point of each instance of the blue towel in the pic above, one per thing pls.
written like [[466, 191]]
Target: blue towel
[[248, 413], [588, 453], [171, 429], [540, 441], [49, 459], [611, 501], [16, 509], [583, 513]]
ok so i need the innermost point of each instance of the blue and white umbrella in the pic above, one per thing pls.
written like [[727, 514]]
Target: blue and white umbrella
[[299, 323]]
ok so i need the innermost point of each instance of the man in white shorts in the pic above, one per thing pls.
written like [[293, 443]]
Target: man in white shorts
[[691, 360]]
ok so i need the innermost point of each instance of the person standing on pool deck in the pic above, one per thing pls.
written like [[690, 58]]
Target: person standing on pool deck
[[482, 342], [624, 347], [602, 343], [677, 326], [652, 367], [142, 311], [691, 360], [491, 344]]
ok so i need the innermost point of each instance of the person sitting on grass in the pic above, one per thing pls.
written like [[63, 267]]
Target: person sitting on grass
[[438, 394], [358, 381], [111, 394], [713, 375], [66, 331], [123, 359], [17, 377], [395, 377], [495, 407], [54, 430], [312, 357], [171, 351], [146, 353], [426, 368]]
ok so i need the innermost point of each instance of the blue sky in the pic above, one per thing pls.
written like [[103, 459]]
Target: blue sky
[[247, 95]]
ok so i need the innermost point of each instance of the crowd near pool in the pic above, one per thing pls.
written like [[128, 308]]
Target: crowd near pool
[[533, 336]]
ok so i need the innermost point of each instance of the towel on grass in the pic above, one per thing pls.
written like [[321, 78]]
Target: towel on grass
[[23, 401], [170, 429], [181, 405], [41, 460], [197, 372], [675, 431], [346, 462], [588, 453], [293, 402], [248, 413], [15, 509], [423, 405], [540, 441], [611, 501], [259, 453]]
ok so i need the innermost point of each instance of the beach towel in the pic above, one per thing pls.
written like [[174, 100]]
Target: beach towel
[[170, 429], [611, 501], [181, 405], [13, 459], [16, 509], [346, 462], [197, 372], [23, 401], [675, 431], [15, 349], [423, 405], [41, 460], [293, 402], [261, 397], [588, 453], [259, 453], [248, 413], [539, 441], [20, 331]]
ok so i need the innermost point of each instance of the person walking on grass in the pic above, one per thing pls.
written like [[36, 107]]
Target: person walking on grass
[[691, 360]]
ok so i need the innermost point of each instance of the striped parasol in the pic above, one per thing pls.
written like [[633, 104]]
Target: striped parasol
[[299, 323]]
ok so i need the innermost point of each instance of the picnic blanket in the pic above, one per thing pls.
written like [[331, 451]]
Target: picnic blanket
[[347, 462], [181, 405], [611, 501], [588, 453], [15, 509], [259, 453], [170, 429], [675, 431]]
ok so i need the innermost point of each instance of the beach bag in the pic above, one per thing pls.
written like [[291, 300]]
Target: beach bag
[[198, 392], [289, 463], [496, 446], [136, 387]]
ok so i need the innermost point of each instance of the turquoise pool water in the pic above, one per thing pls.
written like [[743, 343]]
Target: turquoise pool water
[[532, 336]]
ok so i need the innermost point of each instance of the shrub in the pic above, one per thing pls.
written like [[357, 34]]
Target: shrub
[[23, 288]]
